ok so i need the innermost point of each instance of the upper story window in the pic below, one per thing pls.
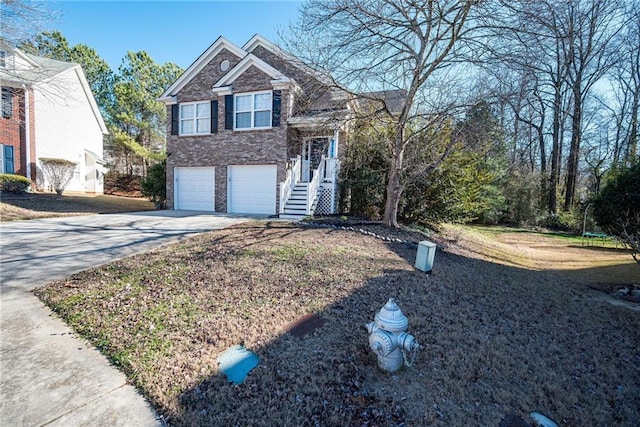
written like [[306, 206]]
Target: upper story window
[[253, 110], [195, 118], [7, 102], [3, 59]]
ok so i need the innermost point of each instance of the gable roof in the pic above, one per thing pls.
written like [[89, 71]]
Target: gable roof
[[220, 44], [43, 70], [247, 62], [258, 41]]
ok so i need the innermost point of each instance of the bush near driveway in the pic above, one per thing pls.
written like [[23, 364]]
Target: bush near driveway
[[497, 339], [154, 185], [12, 183]]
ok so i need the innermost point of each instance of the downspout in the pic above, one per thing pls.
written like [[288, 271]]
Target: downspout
[[27, 131]]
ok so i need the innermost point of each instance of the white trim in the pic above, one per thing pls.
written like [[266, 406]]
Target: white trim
[[244, 64], [169, 100], [258, 40], [224, 90], [27, 130], [195, 68], [281, 83]]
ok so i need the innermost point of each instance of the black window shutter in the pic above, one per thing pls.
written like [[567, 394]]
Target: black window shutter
[[214, 116], [175, 119], [228, 112], [275, 112]]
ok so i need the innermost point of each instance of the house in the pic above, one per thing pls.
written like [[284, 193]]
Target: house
[[48, 111], [252, 130]]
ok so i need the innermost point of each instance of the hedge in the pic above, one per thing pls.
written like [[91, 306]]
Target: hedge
[[12, 183]]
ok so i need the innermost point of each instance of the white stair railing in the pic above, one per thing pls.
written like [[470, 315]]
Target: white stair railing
[[286, 187], [312, 188]]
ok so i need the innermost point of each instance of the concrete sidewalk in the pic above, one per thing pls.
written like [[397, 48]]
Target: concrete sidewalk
[[49, 376]]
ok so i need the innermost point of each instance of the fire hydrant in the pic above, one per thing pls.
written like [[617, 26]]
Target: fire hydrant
[[388, 339]]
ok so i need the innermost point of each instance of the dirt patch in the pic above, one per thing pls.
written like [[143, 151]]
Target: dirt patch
[[117, 184], [500, 335]]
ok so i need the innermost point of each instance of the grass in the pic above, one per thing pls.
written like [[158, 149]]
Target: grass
[[509, 324], [47, 205], [569, 239]]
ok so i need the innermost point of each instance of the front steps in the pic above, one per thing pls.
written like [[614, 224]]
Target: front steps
[[296, 206]]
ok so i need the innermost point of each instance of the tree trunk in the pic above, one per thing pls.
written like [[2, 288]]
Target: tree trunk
[[555, 151], [543, 165], [394, 186], [632, 146], [574, 151], [394, 191]]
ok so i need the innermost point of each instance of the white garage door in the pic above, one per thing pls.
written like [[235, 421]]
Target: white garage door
[[194, 189], [252, 189]]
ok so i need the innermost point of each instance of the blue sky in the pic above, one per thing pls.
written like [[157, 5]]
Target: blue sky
[[170, 31]]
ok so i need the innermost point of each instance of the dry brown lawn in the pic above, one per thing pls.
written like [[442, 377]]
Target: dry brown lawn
[[14, 207], [509, 322]]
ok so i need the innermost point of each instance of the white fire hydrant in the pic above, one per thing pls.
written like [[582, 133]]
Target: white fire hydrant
[[388, 339]]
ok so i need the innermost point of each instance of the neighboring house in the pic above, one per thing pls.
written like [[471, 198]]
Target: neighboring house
[[48, 110], [253, 130]]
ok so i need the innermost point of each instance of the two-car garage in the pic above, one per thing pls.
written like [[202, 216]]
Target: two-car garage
[[251, 189]]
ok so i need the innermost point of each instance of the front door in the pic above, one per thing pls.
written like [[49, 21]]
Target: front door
[[312, 151]]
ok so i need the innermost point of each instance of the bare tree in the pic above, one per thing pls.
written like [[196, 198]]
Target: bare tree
[[590, 50], [391, 44], [625, 82], [20, 20], [567, 48]]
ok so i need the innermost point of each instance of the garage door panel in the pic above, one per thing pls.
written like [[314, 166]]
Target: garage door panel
[[195, 189], [252, 189]]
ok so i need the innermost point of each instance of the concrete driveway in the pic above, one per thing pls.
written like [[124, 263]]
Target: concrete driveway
[[48, 376]]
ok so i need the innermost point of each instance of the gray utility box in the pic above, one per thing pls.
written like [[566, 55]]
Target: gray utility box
[[425, 256]]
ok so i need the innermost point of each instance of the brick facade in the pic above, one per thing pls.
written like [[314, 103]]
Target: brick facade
[[226, 147], [13, 132], [274, 146], [199, 88]]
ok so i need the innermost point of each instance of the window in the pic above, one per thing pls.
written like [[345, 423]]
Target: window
[[195, 118], [7, 103], [253, 110], [3, 59]]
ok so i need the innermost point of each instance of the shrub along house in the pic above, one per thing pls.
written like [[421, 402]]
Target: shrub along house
[[253, 130], [48, 110]]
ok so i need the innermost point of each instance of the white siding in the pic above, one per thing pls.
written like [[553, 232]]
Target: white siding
[[66, 126]]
